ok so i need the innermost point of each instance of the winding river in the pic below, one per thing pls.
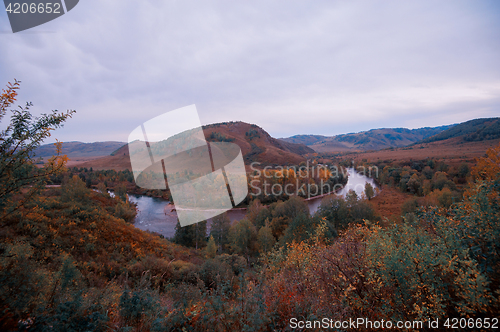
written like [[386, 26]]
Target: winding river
[[155, 215]]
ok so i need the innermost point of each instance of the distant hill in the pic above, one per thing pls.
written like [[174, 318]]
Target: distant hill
[[255, 143], [470, 131], [80, 149], [375, 139], [305, 139]]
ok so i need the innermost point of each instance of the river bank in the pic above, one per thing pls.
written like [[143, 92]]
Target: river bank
[[158, 215]]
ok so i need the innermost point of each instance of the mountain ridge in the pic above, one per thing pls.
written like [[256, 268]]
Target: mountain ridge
[[373, 139], [469, 131], [75, 149], [255, 143]]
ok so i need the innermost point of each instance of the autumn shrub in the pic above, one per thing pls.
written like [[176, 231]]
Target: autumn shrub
[[424, 271], [138, 308], [24, 283], [185, 271], [121, 192], [409, 206], [159, 269], [125, 210], [300, 229], [340, 212], [214, 273], [75, 190], [226, 308], [64, 307], [237, 263], [313, 279], [478, 226]]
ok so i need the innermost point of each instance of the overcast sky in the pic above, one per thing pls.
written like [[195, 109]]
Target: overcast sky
[[291, 67]]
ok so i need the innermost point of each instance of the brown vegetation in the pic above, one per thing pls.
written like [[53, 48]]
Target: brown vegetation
[[388, 201], [119, 162], [69, 261], [452, 151]]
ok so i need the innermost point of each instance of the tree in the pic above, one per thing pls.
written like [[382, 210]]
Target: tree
[[463, 170], [265, 239], [351, 198], [18, 143], [300, 229], [74, 190], [102, 189], [413, 184], [335, 210], [192, 235], [243, 237], [121, 191], [369, 192], [211, 248], [220, 230]]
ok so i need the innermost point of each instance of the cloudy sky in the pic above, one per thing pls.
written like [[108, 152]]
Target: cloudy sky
[[291, 67]]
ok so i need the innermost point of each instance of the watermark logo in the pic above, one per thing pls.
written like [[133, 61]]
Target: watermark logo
[[310, 180], [205, 179], [24, 15]]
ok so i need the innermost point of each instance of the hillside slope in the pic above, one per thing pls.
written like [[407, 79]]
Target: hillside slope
[[453, 151], [80, 149], [469, 131], [255, 143], [375, 139], [305, 139]]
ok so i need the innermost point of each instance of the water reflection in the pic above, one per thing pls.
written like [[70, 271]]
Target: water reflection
[[356, 182], [157, 215]]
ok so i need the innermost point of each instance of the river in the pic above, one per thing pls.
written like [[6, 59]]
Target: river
[[156, 215]]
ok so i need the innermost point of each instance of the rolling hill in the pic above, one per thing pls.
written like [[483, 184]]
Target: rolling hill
[[255, 143], [469, 131], [375, 139], [452, 151], [80, 149], [464, 142]]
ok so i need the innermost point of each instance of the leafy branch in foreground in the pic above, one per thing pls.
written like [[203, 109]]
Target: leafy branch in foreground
[[20, 179]]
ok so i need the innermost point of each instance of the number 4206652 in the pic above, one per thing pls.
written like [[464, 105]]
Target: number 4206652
[[40, 8], [462, 323]]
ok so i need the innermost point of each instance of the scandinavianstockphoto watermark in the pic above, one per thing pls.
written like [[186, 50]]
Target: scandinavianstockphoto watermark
[[170, 151], [358, 323], [308, 180], [365, 323]]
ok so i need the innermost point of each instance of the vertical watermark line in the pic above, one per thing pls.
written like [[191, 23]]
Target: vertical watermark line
[[63, 3], [164, 173], [211, 157], [147, 144], [227, 186]]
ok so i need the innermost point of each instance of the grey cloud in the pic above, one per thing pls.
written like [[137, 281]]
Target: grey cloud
[[289, 66]]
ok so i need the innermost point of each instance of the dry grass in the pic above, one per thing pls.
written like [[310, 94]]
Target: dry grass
[[452, 151], [119, 162], [388, 202]]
